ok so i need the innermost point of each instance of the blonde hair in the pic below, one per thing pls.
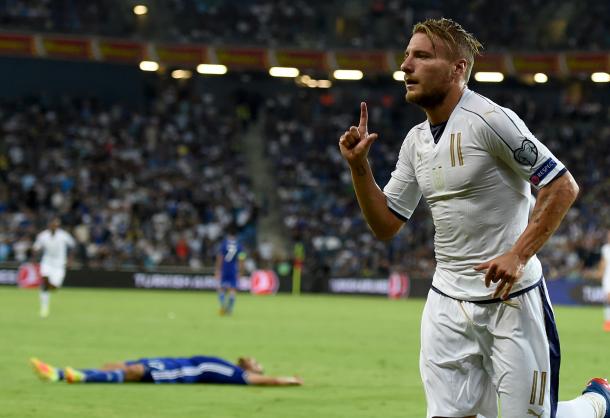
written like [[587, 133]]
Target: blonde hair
[[461, 43]]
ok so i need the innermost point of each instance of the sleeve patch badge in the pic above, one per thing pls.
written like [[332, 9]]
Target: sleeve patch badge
[[527, 154], [543, 171]]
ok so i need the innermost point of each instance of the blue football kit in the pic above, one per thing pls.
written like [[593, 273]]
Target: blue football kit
[[230, 251], [196, 369]]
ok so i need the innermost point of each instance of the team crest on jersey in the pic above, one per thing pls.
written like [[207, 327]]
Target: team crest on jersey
[[527, 154]]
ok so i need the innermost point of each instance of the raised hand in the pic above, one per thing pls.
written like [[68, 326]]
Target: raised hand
[[356, 142]]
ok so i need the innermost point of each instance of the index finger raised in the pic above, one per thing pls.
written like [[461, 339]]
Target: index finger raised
[[364, 117]]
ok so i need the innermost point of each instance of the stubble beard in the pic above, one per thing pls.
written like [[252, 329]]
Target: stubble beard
[[430, 99]]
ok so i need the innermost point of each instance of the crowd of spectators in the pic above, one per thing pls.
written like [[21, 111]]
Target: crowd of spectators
[[302, 127], [103, 17], [157, 186], [135, 188], [519, 24], [302, 130]]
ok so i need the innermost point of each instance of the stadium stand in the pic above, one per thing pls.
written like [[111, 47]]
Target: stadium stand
[[548, 25], [103, 17], [138, 188], [318, 202], [155, 185]]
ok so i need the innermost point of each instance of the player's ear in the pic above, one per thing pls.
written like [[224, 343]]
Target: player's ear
[[460, 66]]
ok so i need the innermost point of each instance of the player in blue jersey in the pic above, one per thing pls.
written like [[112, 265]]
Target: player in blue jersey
[[229, 268], [196, 369]]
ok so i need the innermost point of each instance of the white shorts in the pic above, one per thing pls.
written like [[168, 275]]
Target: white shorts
[[474, 356], [55, 274]]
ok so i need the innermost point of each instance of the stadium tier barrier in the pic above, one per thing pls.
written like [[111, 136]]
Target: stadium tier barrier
[[562, 291], [235, 57]]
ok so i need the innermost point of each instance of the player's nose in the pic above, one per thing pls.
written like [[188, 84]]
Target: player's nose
[[406, 67], [407, 64]]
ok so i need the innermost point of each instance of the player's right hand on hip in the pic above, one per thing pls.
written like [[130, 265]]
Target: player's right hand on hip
[[356, 142]]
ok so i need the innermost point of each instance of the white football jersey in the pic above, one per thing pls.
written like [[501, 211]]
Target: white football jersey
[[606, 276], [54, 246], [476, 181]]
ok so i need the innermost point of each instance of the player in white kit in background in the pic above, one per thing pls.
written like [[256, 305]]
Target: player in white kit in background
[[604, 273], [475, 162], [54, 243]]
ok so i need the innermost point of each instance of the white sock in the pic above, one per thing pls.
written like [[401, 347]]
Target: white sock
[[588, 405], [44, 299], [607, 312]]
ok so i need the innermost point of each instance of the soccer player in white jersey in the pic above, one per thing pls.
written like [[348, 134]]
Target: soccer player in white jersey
[[604, 272], [54, 243], [488, 335]]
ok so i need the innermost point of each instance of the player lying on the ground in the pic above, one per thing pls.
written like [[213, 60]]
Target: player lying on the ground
[[196, 369]]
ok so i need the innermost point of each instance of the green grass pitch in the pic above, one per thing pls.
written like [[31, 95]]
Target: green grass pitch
[[357, 355]]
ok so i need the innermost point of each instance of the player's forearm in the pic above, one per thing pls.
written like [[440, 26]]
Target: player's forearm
[[552, 204], [373, 203], [288, 381], [261, 380]]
